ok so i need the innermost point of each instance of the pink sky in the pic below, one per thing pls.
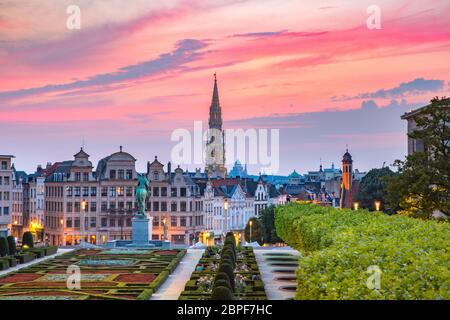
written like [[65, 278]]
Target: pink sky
[[136, 70]]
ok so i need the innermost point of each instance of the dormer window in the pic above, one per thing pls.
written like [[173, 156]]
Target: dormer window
[[77, 176], [155, 175]]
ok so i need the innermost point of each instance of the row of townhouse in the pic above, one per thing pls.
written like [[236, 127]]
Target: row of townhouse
[[70, 200]]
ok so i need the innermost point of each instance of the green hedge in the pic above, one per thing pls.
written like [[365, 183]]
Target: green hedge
[[340, 245], [25, 257]]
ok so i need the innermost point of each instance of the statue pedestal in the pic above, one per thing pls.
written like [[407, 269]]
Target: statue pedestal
[[141, 231]]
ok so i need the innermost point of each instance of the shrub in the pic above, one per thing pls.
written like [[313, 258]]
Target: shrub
[[227, 258], [222, 283], [4, 249], [228, 269], [27, 239], [228, 251], [11, 245], [342, 245], [221, 293], [225, 276]]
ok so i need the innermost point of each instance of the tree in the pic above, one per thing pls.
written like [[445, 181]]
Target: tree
[[256, 231], [27, 239], [221, 293], [373, 188], [11, 245], [422, 186], [4, 249], [268, 225]]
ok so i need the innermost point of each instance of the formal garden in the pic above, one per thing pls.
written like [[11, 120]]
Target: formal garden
[[11, 255], [105, 275], [225, 273], [342, 249]]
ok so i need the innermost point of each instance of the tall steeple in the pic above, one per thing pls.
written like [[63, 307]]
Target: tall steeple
[[215, 111], [215, 145]]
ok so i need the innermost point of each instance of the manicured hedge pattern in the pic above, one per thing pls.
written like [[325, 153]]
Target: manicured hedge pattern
[[413, 255], [254, 289], [136, 280]]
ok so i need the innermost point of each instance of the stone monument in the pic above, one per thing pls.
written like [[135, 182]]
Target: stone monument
[[141, 230]]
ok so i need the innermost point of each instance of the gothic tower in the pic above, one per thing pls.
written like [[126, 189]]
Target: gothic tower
[[347, 178], [215, 144]]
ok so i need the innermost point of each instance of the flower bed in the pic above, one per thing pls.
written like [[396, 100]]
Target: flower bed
[[126, 275], [248, 283], [341, 248]]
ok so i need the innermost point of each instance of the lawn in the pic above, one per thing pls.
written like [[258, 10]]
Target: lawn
[[105, 275]]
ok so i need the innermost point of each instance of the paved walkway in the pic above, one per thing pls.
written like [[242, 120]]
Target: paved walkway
[[174, 284], [24, 265], [271, 284]]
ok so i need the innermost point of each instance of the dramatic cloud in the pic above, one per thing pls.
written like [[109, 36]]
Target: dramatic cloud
[[186, 51], [414, 87]]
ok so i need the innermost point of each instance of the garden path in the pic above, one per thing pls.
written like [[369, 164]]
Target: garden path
[[24, 265], [272, 285], [174, 285]]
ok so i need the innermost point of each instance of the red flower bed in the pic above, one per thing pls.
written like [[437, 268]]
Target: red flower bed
[[47, 293], [42, 284], [20, 277], [136, 277], [166, 252]]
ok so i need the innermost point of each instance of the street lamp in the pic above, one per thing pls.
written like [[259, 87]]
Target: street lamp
[[356, 205], [225, 207], [377, 205], [83, 222], [165, 229], [250, 223]]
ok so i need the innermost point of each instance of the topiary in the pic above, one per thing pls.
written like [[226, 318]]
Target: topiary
[[4, 250], [229, 270], [229, 252], [222, 283], [224, 276], [11, 245], [27, 239], [221, 293]]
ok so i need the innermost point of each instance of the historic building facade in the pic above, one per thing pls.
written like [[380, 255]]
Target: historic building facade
[[6, 176]]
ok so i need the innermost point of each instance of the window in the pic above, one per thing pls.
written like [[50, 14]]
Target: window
[[6, 211], [104, 206], [6, 195], [93, 191], [128, 222], [112, 191], [112, 205], [155, 206], [77, 191], [85, 191], [163, 192], [121, 174], [77, 223], [6, 181], [104, 191], [77, 176], [173, 221], [1, 181], [155, 175], [156, 221], [69, 223], [173, 192], [182, 192], [104, 222], [163, 206], [173, 206], [129, 175], [85, 176], [4, 165], [69, 207], [129, 191], [183, 221], [112, 222], [93, 222], [93, 207], [156, 191], [121, 205], [76, 207], [183, 206], [112, 174], [120, 222], [130, 205], [120, 191], [69, 191]]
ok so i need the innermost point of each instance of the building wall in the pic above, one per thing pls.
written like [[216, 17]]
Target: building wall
[[5, 195]]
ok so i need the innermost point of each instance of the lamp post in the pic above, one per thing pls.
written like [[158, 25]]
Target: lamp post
[[356, 205], [225, 207], [250, 223], [377, 205], [83, 222]]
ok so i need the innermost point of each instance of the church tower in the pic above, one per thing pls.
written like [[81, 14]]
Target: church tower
[[215, 144], [347, 178]]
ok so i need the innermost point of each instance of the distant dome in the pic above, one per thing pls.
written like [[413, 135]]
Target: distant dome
[[294, 174]]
